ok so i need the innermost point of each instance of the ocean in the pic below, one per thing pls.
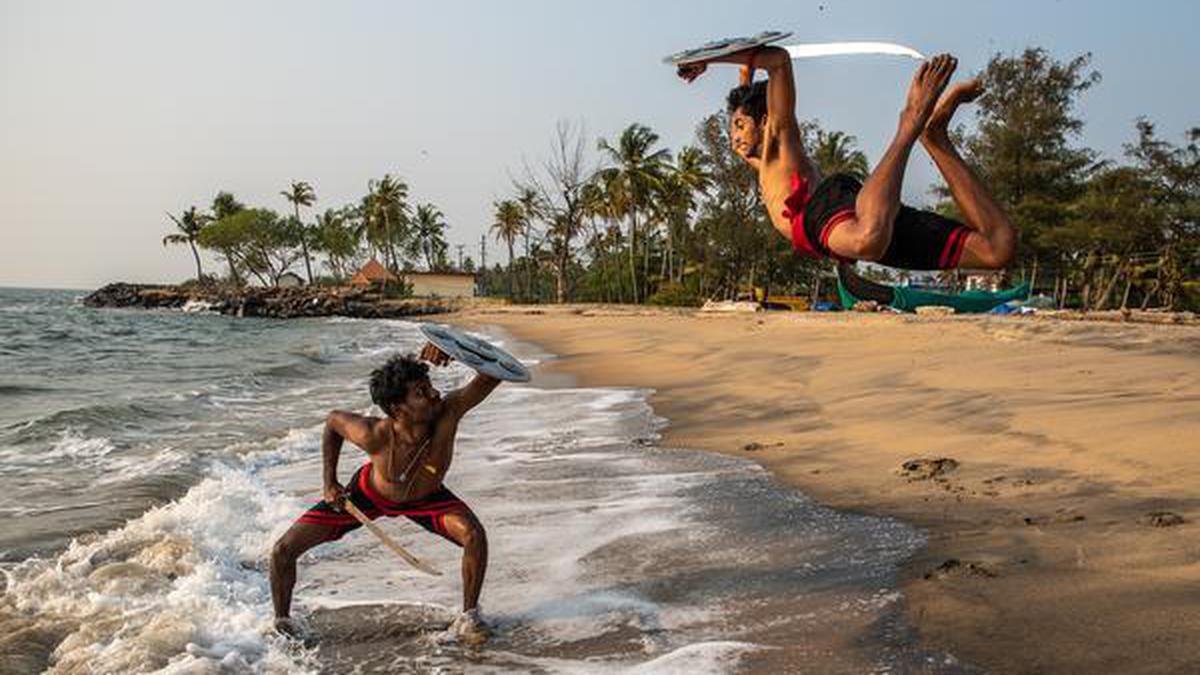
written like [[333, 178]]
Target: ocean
[[149, 460]]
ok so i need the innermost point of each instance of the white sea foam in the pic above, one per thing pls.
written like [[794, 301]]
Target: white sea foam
[[72, 445], [181, 588], [604, 550], [193, 306]]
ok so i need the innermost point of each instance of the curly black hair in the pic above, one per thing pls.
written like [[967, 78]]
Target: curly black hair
[[390, 382], [750, 99]]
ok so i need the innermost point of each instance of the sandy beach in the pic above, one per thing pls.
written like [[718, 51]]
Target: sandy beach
[[1062, 525]]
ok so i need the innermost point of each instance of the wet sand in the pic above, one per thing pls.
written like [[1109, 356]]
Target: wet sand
[[1055, 541]]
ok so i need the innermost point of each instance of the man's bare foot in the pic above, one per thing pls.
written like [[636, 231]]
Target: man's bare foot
[[469, 629], [291, 629], [927, 86], [937, 129]]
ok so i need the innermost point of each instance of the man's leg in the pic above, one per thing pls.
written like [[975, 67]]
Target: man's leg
[[866, 236], [298, 539], [465, 530], [993, 240]]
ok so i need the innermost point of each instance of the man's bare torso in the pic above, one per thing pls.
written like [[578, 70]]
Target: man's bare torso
[[782, 157], [403, 467]]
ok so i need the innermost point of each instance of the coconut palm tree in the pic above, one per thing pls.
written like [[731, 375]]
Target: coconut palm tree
[[223, 206], [689, 177], [531, 207], [430, 235], [834, 152], [301, 194], [337, 239], [189, 223], [507, 225], [637, 169], [386, 212]]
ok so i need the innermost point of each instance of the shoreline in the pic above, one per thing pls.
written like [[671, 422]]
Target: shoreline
[[1053, 545]]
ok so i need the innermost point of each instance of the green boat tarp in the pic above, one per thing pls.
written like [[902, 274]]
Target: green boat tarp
[[853, 288]]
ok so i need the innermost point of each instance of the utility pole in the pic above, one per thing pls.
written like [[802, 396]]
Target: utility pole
[[482, 264], [460, 248]]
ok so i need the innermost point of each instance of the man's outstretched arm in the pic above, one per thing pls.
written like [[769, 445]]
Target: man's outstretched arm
[[461, 400], [781, 87]]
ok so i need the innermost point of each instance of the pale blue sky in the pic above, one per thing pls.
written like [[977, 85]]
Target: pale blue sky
[[113, 112]]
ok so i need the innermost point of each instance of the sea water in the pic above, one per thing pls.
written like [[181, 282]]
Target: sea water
[[149, 460]]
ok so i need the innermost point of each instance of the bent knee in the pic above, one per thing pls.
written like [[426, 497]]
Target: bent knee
[[869, 246], [475, 536], [284, 550], [855, 238], [998, 253]]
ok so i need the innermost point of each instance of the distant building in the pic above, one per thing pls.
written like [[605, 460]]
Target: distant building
[[441, 284], [984, 281], [372, 274], [289, 280]]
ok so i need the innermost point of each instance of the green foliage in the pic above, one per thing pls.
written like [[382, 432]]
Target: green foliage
[[258, 240], [834, 152], [676, 294], [429, 237], [189, 225], [643, 224], [1022, 144]]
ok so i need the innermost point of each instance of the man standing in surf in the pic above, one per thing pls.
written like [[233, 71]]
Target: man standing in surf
[[840, 218], [409, 453]]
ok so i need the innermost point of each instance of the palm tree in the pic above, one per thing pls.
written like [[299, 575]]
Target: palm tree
[[507, 225], [189, 224], [223, 206], [387, 207], [689, 177], [301, 194], [334, 236], [636, 170], [530, 204], [430, 235], [834, 152], [594, 204]]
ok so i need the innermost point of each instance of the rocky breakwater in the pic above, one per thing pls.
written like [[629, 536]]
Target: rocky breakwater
[[280, 303]]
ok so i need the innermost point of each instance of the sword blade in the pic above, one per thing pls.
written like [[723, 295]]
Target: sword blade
[[814, 50]]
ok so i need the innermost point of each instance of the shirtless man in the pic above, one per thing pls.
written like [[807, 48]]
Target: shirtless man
[[409, 453], [840, 218]]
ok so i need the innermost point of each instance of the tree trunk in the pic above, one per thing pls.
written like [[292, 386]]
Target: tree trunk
[[512, 293], [389, 251], [670, 253], [646, 262], [1112, 283], [633, 254], [527, 293], [560, 281], [1150, 294], [196, 255], [231, 258], [1088, 271], [303, 243], [1033, 275]]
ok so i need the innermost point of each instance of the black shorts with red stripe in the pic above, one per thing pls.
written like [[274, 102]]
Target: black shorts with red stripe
[[921, 240], [429, 512]]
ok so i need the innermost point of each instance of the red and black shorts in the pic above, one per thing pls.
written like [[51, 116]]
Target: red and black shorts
[[429, 512], [921, 240]]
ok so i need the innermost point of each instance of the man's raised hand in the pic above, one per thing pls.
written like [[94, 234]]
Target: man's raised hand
[[432, 354], [690, 71]]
